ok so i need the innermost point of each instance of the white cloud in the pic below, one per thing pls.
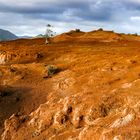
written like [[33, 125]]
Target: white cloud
[[136, 18]]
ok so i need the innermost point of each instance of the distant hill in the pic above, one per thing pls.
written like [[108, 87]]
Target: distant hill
[[6, 35], [26, 37], [40, 36]]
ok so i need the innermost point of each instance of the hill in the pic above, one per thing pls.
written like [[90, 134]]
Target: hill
[[25, 37], [7, 35], [81, 86], [94, 36]]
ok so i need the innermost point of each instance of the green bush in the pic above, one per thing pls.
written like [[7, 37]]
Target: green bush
[[77, 30], [52, 70]]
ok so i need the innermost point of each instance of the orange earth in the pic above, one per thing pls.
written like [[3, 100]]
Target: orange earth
[[81, 86]]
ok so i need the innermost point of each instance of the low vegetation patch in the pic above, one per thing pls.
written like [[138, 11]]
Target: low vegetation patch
[[50, 71]]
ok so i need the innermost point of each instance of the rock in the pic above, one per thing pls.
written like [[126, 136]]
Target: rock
[[39, 55], [77, 118], [123, 121], [126, 85], [11, 125]]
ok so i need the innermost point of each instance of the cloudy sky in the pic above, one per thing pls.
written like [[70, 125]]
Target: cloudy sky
[[29, 17]]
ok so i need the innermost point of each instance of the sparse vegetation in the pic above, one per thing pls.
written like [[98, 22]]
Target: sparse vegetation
[[77, 30], [100, 29], [52, 70], [85, 81], [135, 34]]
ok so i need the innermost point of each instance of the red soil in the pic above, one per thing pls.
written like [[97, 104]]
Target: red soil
[[93, 95]]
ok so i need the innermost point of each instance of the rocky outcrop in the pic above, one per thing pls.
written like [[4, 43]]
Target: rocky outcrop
[[76, 117], [5, 57]]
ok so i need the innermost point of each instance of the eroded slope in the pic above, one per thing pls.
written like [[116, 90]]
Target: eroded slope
[[94, 95]]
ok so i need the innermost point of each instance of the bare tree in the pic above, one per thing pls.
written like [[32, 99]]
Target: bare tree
[[49, 33]]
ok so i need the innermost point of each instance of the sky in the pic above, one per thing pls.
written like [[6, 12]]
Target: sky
[[30, 17]]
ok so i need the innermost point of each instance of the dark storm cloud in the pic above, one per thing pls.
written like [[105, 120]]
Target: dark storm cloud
[[106, 13], [132, 5], [84, 10], [44, 7], [29, 10], [98, 10]]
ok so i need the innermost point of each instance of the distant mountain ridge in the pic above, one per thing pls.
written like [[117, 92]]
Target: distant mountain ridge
[[25, 37], [7, 35]]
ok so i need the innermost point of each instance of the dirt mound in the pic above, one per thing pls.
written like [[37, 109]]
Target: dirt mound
[[93, 36], [62, 38], [131, 37], [101, 36], [75, 33], [69, 36]]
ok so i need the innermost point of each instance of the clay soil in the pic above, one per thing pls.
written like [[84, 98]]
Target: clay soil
[[94, 95]]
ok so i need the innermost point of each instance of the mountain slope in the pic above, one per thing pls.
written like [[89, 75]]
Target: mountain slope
[[6, 35]]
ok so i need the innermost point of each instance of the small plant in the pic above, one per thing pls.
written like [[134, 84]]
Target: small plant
[[100, 29], [77, 30], [52, 70], [135, 34]]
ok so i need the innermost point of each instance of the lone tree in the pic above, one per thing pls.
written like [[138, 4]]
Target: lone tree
[[49, 33]]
